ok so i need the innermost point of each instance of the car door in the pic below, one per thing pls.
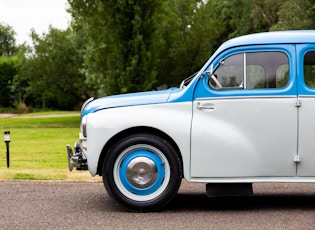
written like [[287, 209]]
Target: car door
[[245, 116], [306, 90]]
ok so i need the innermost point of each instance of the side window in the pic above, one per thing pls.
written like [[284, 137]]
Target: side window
[[252, 71], [231, 71], [309, 69]]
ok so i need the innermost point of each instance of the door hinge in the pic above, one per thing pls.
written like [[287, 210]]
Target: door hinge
[[297, 158], [298, 103]]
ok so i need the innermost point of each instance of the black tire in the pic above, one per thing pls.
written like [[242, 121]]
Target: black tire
[[142, 172]]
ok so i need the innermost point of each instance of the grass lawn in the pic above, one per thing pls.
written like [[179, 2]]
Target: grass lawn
[[38, 147]]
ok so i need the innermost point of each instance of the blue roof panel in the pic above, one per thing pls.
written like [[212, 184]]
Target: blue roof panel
[[277, 37]]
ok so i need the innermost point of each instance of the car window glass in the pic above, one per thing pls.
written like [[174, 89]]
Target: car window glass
[[282, 76], [252, 71], [309, 69], [231, 71], [255, 77]]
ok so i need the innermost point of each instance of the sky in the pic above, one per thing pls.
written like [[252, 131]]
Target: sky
[[23, 15]]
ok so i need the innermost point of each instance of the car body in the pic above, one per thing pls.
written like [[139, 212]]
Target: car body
[[247, 116]]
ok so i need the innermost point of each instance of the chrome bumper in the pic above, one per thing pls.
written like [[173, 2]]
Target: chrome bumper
[[76, 158]]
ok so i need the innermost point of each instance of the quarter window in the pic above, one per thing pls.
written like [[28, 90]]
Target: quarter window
[[309, 69], [252, 71]]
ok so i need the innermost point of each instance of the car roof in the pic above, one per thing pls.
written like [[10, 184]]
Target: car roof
[[277, 37]]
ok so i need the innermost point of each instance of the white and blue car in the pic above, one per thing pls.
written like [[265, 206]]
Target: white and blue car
[[247, 116]]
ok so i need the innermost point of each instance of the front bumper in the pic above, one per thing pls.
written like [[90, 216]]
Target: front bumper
[[76, 158]]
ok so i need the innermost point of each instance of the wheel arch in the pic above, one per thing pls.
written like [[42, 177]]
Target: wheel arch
[[136, 130]]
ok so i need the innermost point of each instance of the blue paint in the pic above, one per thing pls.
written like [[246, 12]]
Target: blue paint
[[160, 173], [131, 99]]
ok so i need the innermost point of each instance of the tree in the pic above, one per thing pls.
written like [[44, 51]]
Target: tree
[[8, 69], [7, 41], [8, 63], [120, 55], [296, 15], [178, 42], [52, 71], [265, 13]]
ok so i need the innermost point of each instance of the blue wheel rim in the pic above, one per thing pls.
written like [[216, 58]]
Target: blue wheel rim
[[160, 172]]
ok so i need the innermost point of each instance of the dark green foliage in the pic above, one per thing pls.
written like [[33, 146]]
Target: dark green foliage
[[296, 15], [8, 69], [53, 71], [7, 41], [121, 53], [8, 63]]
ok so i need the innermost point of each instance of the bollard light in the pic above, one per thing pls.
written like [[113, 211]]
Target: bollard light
[[7, 141], [6, 136]]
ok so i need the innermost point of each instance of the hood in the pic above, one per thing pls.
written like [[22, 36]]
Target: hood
[[131, 99]]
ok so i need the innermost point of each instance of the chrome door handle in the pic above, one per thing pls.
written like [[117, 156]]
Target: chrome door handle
[[205, 106]]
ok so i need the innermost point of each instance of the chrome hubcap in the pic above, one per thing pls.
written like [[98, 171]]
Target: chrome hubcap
[[141, 172]]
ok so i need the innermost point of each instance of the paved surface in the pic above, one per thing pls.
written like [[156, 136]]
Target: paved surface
[[7, 115], [86, 205]]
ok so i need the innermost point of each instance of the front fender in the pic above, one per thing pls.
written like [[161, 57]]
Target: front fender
[[173, 119]]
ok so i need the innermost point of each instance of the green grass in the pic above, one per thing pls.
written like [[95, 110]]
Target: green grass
[[50, 113], [40, 122], [38, 148]]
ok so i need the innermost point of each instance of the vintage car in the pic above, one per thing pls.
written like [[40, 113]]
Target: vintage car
[[247, 116]]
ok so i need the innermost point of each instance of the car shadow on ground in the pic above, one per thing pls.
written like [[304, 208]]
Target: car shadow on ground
[[200, 202]]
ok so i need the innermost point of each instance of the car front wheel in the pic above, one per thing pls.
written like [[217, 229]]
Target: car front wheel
[[142, 172]]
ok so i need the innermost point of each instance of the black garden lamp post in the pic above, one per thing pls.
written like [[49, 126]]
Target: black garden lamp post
[[7, 141]]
